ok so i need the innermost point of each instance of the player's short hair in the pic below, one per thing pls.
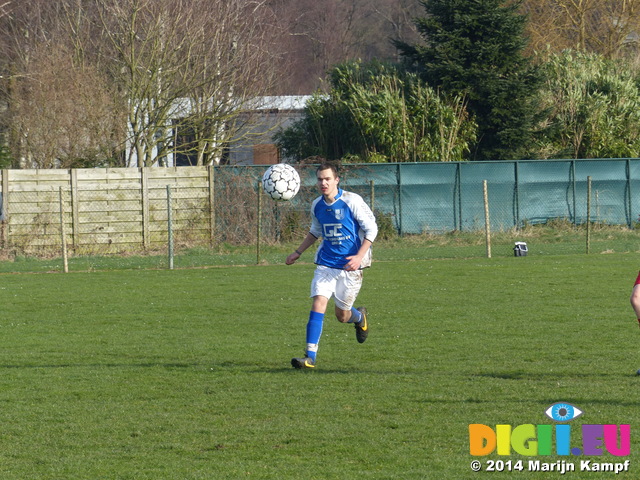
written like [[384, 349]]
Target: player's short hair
[[326, 165]]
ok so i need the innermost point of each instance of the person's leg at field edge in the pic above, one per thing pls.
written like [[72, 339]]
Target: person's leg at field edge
[[635, 298], [635, 303]]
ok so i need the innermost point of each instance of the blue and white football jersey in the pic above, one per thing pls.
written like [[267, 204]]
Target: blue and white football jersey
[[343, 226]]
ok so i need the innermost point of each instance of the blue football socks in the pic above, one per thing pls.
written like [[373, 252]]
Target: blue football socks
[[314, 331], [356, 316]]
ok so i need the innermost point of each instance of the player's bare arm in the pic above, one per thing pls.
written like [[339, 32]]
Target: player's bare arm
[[306, 243]]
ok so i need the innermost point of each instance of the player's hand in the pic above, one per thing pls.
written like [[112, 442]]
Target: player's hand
[[353, 263], [291, 259]]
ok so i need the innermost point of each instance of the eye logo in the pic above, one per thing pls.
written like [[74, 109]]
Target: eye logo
[[562, 412]]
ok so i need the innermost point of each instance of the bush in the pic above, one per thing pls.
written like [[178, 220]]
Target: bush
[[377, 113], [593, 108], [386, 226]]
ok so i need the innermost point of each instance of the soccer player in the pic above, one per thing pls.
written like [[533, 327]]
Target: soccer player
[[635, 298], [635, 302], [347, 227]]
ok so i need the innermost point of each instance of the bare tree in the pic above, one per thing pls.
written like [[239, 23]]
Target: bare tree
[[87, 78], [607, 27], [393, 20], [64, 116], [235, 65], [189, 61], [323, 34], [60, 111]]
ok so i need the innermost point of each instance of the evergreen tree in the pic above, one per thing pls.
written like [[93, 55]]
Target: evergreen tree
[[476, 48]]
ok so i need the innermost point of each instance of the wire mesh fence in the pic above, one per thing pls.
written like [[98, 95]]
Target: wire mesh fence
[[433, 210]]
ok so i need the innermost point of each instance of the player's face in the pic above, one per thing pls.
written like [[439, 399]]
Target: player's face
[[328, 183]]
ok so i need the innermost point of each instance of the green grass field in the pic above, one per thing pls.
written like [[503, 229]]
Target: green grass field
[[185, 374]]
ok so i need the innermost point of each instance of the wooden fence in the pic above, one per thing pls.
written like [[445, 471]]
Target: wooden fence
[[105, 210]]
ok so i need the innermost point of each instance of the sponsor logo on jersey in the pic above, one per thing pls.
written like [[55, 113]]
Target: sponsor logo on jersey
[[332, 230]]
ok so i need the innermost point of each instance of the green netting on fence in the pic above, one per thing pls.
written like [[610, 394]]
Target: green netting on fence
[[444, 197]]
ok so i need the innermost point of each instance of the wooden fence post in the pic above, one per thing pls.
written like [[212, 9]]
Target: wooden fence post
[[373, 195], [75, 208], [259, 221], [5, 208], [487, 223], [63, 233], [588, 214], [212, 206], [170, 226], [144, 190]]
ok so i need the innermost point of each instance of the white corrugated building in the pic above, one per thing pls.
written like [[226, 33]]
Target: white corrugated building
[[254, 142]]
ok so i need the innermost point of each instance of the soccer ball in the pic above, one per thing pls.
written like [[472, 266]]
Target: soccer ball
[[281, 182]]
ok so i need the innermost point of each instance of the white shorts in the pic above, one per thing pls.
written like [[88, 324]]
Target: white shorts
[[343, 285]]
